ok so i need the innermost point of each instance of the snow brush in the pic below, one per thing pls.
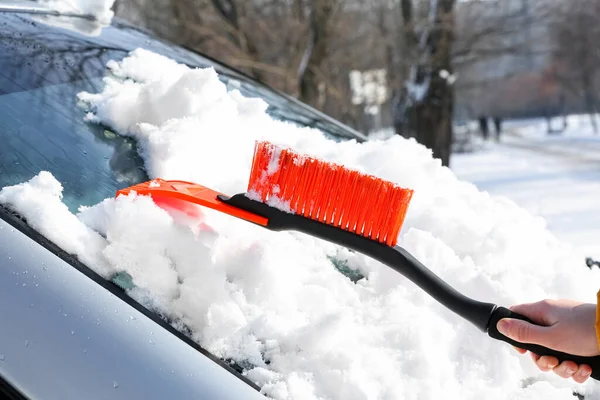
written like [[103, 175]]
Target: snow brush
[[290, 191]]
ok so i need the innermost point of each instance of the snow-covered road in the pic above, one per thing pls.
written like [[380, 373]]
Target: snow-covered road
[[556, 177]]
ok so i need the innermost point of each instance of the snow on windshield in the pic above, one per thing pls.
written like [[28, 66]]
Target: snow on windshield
[[99, 9], [277, 303]]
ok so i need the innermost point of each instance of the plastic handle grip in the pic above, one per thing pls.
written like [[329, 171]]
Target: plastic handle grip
[[502, 312]]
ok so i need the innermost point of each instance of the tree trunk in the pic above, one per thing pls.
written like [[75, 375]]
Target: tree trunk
[[316, 52], [432, 120], [232, 13], [426, 103], [381, 12]]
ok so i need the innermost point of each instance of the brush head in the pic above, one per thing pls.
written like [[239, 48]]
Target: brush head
[[328, 193]]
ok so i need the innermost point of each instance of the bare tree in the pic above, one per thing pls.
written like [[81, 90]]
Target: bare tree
[[282, 43], [503, 59], [575, 34], [308, 48], [320, 12], [424, 106]]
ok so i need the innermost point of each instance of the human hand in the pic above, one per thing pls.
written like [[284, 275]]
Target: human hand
[[568, 326]]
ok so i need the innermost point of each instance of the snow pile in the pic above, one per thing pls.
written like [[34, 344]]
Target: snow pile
[[99, 9], [39, 202], [382, 134], [274, 302]]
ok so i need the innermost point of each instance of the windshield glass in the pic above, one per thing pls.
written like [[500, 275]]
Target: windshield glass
[[43, 129]]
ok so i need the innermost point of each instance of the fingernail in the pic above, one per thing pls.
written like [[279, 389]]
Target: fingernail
[[585, 373], [570, 370], [502, 326]]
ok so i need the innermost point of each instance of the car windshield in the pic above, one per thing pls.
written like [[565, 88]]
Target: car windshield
[[42, 127]]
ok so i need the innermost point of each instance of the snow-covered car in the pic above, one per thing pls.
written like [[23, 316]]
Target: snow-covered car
[[65, 331]]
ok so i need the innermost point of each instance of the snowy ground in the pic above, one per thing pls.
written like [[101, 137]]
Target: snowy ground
[[554, 176], [277, 303]]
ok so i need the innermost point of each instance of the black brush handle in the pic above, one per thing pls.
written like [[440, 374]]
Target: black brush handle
[[484, 316], [400, 260], [502, 312]]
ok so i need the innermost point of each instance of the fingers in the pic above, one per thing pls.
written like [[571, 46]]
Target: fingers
[[524, 332], [582, 374], [545, 363], [566, 369]]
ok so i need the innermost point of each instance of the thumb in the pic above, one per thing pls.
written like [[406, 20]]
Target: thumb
[[523, 331]]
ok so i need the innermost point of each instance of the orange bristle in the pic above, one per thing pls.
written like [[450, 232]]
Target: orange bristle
[[329, 193]]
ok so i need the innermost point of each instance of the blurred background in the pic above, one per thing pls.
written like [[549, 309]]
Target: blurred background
[[434, 70]]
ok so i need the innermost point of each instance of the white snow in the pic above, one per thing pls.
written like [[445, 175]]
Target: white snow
[[275, 201], [99, 9], [553, 176], [447, 76], [252, 295], [39, 202]]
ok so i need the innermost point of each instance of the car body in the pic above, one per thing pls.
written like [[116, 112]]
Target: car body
[[65, 332]]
